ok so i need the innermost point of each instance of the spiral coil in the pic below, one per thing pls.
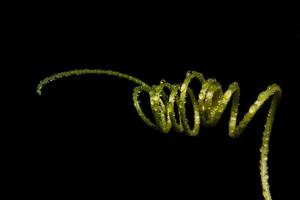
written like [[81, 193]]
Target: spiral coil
[[207, 109]]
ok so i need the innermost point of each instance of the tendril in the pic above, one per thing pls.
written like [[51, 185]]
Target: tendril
[[208, 107]]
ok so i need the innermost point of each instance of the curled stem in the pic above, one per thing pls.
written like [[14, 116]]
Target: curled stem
[[207, 108]]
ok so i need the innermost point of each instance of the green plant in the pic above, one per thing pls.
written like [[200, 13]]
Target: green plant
[[208, 108]]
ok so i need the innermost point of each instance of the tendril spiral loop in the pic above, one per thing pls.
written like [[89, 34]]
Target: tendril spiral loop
[[208, 107]]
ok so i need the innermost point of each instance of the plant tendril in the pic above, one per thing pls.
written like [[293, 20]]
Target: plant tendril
[[207, 108]]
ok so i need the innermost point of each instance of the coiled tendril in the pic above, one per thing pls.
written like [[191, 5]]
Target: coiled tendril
[[208, 107]]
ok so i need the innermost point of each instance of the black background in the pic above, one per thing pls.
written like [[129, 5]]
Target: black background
[[83, 137]]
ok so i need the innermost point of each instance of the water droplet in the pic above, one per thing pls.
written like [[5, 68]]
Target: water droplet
[[265, 158], [163, 81], [188, 73], [252, 109]]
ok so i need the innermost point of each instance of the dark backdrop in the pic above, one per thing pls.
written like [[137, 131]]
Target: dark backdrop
[[83, 136]]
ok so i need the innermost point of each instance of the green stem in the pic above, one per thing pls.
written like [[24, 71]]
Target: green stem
[[208, 108]]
